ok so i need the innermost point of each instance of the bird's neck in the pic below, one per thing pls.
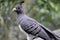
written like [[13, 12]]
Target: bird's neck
[[19, 17], [20, 14]]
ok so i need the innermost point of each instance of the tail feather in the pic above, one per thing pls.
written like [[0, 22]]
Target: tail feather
[[56, 37], [50, 33]]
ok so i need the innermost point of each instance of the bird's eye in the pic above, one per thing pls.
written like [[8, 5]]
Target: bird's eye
[[18, 8]]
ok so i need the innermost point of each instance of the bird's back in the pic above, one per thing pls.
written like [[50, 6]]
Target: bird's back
[[32, 27]]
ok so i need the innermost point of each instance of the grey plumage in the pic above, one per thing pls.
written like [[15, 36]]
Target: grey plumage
[[32, 27]]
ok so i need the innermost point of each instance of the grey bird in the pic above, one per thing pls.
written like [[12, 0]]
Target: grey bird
[[31, 27]]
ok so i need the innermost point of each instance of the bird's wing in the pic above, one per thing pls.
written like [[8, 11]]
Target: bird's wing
[[33, 27], [49, 32]]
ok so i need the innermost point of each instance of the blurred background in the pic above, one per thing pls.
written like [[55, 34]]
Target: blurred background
[[47, 12]]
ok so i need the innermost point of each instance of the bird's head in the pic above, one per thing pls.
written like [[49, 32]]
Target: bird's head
[[18, 7]]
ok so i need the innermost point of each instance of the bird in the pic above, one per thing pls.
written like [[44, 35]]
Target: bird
[[30, 27]]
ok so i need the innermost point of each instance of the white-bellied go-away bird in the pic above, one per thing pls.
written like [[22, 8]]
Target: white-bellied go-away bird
[[31, 27]]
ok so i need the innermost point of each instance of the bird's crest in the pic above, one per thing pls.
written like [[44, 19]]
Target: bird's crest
[[21, 2]]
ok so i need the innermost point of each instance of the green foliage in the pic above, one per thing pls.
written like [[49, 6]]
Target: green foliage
[[46, 12]]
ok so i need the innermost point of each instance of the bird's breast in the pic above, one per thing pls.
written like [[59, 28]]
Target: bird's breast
[[22, 30]]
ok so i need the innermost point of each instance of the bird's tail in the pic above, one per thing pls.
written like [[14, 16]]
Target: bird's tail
[[55, 37], [50, 33]]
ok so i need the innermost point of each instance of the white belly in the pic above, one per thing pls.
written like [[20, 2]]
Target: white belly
[[29, 37], [22, 30]]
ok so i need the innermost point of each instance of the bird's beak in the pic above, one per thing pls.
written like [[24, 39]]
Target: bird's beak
[[14, 9]]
